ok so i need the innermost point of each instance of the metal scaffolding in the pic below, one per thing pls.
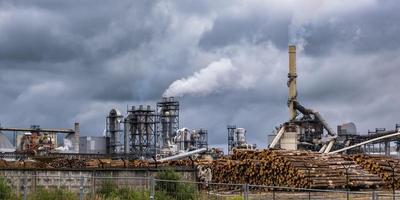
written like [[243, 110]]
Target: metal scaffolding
[[140, 127], [168, 111], [202, 141], [231, 137]]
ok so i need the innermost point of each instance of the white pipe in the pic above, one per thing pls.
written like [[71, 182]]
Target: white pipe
[[366, 142], [277, 137], [182, 155], [323, 148], [330, 145]]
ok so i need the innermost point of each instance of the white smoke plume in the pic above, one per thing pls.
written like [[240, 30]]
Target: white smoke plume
[[215, 76]]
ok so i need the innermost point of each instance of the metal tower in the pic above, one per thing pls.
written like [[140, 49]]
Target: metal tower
[[113, 130], [231, 137], [140, 126]]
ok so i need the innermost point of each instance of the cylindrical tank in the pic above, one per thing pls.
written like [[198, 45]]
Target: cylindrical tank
[[240, 136], [114, 129]]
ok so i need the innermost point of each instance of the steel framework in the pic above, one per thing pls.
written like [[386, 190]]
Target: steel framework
[[141, 126], [202, 142], [231, 135]]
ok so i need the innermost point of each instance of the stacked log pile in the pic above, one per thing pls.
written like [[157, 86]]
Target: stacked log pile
[[292, 169], [28, 164], [70, 163], [384, 166], [115, 164], [262, 167]]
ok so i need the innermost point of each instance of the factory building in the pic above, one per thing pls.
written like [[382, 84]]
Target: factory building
[[94, 145]]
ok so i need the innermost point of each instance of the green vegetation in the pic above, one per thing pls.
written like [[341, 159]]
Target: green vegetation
[[6, 192], [173, 188], [109, 191], [52, 194]]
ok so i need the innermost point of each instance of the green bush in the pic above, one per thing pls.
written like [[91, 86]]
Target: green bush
[[52, 194], [173, 188]]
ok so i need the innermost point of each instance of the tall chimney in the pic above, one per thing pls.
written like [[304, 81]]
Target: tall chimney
[[292, 82]]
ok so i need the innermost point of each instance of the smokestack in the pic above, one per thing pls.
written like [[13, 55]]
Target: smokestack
[[292, 82]]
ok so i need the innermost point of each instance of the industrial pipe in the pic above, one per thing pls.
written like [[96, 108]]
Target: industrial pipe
[[323, 148], [182, 155], [366, 142], [329, 146], [277, 137], [318, 116], [325, 124]]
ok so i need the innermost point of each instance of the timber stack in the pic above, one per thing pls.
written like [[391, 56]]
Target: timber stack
[[293, 169], [385, 167], [68, 163]]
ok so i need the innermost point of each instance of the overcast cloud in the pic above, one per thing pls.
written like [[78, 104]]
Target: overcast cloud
[[73, 61]]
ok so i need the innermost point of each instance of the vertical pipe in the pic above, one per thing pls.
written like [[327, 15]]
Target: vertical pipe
[[126, 128], [292, 82], [76, 138]]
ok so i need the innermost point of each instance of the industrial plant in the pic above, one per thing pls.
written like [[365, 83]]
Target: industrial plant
[[306, 151]]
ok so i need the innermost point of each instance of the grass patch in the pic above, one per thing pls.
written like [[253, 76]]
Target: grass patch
[[52, 194]]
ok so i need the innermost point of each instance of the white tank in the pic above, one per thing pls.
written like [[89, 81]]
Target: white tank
[[240, 135]]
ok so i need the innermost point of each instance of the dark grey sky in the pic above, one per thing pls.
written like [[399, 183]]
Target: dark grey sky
[[67, 61]]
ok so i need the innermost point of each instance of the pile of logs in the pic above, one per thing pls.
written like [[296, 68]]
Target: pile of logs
[[71, 163], [28, 164], [120, 163], [384, 166], [292, 169], [3, 163], [300, 169]]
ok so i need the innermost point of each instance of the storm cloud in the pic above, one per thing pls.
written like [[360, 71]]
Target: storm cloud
[[73, 61]]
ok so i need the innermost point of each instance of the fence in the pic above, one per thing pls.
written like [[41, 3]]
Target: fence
[[32, 187]]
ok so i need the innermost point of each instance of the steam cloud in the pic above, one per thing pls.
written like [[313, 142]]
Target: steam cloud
[[217, 75], [204, 82]]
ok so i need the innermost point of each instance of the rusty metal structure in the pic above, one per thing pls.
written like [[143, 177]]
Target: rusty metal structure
[[36, 139]]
